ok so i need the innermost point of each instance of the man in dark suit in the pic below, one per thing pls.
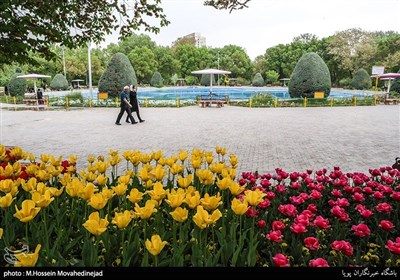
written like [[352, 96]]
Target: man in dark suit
[[134, 103], [125, 106]]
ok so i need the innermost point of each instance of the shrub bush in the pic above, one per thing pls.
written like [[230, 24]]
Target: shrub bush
[[16, 86], [59, 82], [258, 80], [119, 73], [310, 75], [157, 80], [395, 86], [361, 80], [272, 77], [205, 79]]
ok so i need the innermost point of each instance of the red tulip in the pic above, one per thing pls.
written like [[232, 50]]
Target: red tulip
[[302, 219], [361, 230], [298, 228], [312, 207], [321, 222], [359, 197], [337, 193], [261, 223], [383, 207], [288, 210], [394, 247], [311, 243], [277, 225], [320, 262], [378, 195], [366, 213], [315, 195], [275, 236], [396, 196], [263, 205], [342, 202], [386, 225], [342, 246], [281, 260]]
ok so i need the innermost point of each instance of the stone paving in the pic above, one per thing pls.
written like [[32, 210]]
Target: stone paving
[[294, 139]]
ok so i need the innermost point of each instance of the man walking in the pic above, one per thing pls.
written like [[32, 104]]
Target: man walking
[[135, 104], [125, 106]]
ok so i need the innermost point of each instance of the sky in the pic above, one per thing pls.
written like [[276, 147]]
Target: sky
[[267, 23]]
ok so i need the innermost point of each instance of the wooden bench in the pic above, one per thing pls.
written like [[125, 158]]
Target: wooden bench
[[34, 101], [207, 101], [393, 101]]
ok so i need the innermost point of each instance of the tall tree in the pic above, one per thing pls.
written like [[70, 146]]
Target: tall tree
[[144, 62], [36, 25]]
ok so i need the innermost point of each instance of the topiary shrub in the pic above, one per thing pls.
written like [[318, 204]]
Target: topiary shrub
[[59, 82], [16, 86], [205, 79], [395, 86], [157, 80], [272, 77], [361, 80], [310, 75], [258, 80], [119, 73]]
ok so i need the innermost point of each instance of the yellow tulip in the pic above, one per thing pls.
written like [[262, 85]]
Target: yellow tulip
[[196, 162], [183, 155], [149, 184], [120, 189], [107, 193], [54, 170], [180, 214], [7, 171], [42, 200], [44, 158], [91, 168], [205, 176], [31, 157], [18, 153], [1, 233], [101, 180], [217, 167], [135, 196], [197, 153], [209, 159], [86, 192], [31, 169], [124, 179], [146, 211], [239, 207], [172, 160], [16, 168], [95, 225], [233, 160], [65, 179], [145, 158], [203, 219], [28, 260], [211, 202], [72, 159], [43, 175], [6, 185], [156, 155], [192, 199], [91, 158], [74, 187], [100, 158], [56, 192], [127, 155], [176, 168], [41, 188], [54, 161], [175, 197], [101, 166], [224, 183], [190, 190], [158, 192], [113, 153], [71, 169], [122, 219], [254, 197], [28, 211], [162, 161], [159, 173], [236, 189], [220, 150], [135, 158], [156, 245], [90, 177], [5, 201], [185, 182], [144, 174], [97, 201], [2, 153]]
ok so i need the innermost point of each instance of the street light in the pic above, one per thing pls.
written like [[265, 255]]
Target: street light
[[90, 71], [65, 72], [218, 67]]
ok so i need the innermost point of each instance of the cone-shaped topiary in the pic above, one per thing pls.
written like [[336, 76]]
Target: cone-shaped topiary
[[16, 86], [157, 80], [119, 73], [258, 80], [310, 75], [59, 82], [361, 80], [205, 79]]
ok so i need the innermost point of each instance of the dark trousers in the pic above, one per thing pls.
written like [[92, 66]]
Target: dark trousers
[[128, 111], [137, 113]]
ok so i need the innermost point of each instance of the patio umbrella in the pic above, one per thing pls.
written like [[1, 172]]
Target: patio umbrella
[[388, 76], [211, 72], [78, 80], [34, 77]]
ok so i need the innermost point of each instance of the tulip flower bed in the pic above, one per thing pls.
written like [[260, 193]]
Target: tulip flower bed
[[192, 209]]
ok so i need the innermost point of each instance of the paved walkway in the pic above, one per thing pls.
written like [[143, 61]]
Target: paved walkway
[[295, 139]]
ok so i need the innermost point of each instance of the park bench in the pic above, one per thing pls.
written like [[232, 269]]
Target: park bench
[[393, 101], [32, 101], [208, 100]]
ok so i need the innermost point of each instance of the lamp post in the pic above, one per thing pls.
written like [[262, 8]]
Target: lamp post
[[90, 71], [65, 72], [218, 67]]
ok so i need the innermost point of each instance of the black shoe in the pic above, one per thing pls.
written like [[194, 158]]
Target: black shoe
[[117, 123], [134, 123], [128, 121], [141, 120]]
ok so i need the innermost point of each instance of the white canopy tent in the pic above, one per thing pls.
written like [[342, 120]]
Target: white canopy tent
[[34, 77]]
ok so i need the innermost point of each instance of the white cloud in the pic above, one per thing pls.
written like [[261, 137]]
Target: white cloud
[[267, 23]]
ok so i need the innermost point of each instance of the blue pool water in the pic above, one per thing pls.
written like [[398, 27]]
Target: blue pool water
[[191, 93]]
